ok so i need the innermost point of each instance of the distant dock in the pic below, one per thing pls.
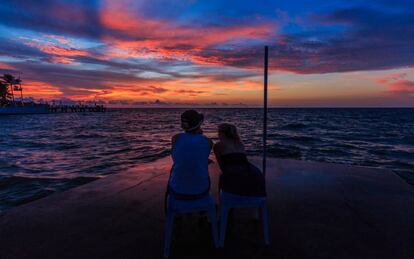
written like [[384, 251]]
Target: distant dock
[[76, 108], [317, 210], [19, 109]]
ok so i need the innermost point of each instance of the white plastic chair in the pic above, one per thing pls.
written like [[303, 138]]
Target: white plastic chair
[[229, 200], [175, 207]]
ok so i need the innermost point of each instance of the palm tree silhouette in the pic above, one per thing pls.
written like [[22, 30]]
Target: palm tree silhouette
[[15, 85], [10, 80], [4, 93], [18, 87]]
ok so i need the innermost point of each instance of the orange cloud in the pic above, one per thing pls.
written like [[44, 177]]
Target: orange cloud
[[59, 51], [38, 89], [155, 38]]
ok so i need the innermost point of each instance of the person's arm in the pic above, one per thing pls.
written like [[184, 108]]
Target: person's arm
[[173, 140], [211, 143], [217, 149]]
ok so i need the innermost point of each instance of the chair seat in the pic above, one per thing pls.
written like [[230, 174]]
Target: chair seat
[[234, 200], [229, 200]]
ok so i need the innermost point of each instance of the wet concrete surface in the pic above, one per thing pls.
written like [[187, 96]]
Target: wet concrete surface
[[317, 210]]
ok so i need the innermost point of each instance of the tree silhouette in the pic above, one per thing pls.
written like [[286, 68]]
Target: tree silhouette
[[18, 87], [15, 85], [4, 93], [11, 81]]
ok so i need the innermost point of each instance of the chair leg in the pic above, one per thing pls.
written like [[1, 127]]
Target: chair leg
[[223, 223], [168, 233], [265, 223], [213, 220]]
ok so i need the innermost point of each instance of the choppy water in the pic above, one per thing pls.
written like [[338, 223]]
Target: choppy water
[[42, 154]]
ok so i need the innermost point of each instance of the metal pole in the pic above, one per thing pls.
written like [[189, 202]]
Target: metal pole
[[21, 93], [21, 89], [266, 63]]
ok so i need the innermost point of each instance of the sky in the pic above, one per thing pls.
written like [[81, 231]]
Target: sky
[[353, 53]]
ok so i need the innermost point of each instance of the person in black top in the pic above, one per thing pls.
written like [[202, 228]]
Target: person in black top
[[238, 176]]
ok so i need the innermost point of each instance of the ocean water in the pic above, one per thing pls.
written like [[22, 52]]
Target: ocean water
[[43, 154]]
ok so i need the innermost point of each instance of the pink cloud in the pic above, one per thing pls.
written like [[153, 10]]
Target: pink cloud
[[397, 83], [156, 38], [402, 86], [60, 49], [6, 66]]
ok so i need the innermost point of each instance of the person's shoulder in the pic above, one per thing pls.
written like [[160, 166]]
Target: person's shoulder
[[209, 140], [218, 144], [175, 137]]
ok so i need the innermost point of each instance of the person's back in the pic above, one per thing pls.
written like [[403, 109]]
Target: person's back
[[190, 151], [190, 169], [238, 176]]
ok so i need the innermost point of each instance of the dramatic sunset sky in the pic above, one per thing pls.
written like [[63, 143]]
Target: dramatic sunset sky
[[210, 52]]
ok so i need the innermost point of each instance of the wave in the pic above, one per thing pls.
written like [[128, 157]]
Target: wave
[[294, 126], [304, 138], [66, 146], [90, 136], [409, 140], [155, 156], [404, 165], [332, 151], [284, 151]]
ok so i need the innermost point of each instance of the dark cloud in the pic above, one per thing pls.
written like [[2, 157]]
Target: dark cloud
[[17, 49], [76, 18], [189, 92], [157, 89], [368, 40]]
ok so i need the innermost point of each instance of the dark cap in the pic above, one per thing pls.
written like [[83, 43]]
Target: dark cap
[[191, 120]]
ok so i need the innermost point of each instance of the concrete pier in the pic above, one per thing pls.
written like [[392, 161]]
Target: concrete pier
[[317, 210]]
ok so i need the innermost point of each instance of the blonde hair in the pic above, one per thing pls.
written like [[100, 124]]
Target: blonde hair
[[230, 131]]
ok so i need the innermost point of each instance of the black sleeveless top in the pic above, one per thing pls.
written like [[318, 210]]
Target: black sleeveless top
[[239, 176]]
